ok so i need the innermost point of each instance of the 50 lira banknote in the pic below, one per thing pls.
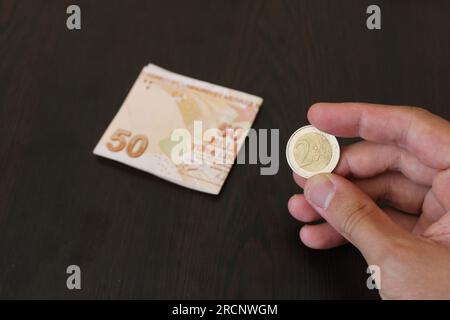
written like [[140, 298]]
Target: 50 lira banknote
[[145, 133]]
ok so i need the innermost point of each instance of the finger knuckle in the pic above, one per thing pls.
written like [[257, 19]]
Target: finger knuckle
[[418, 112], [414, 115], [355, 216]]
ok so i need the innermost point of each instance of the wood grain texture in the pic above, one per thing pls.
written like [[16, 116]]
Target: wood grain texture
[[137, 236]]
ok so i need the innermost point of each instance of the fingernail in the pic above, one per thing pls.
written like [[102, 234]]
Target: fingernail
[[319, 190]]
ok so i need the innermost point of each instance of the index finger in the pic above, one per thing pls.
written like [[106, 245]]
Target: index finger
[[422, 133]]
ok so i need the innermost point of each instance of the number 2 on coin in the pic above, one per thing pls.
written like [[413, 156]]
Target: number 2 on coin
[[135, 147]]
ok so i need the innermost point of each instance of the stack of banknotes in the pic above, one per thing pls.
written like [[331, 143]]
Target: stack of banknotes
[[152, 128]]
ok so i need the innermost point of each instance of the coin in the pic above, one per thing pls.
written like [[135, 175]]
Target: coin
[[310, 151]]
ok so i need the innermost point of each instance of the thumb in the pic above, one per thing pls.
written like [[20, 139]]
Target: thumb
[[352, 213]]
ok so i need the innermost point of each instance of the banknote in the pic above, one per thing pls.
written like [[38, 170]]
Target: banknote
[[163, 107]]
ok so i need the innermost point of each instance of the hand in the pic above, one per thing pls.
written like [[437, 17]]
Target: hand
[[394, 205]]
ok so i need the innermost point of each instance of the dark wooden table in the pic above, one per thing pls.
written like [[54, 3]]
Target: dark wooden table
[[137, 236]]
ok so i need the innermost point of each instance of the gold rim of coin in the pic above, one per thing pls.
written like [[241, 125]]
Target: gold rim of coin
[[310, 151]]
